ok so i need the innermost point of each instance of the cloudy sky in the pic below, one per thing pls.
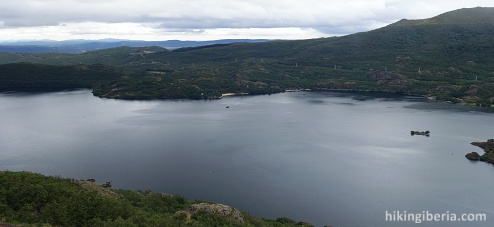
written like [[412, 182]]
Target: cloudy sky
[[209, 19]]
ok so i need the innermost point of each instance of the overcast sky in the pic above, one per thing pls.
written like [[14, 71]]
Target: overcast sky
[[209, 19]]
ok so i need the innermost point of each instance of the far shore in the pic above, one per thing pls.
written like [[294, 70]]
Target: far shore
[[232, 94]]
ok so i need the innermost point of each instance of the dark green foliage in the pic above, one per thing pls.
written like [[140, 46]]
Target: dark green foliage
[[488, 148], [488, 157], [212, 219], [31, 198], [19, 75], [285, 220], [184, 49]]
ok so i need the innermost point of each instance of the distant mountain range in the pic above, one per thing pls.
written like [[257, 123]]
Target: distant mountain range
[[448, 57], [81, 46]]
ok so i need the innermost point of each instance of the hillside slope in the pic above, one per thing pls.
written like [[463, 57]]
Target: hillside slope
[[81, 46], [37, 200], [449, 57]]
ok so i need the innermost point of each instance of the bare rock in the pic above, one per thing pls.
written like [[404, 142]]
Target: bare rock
[[380, 75], [473, 156], [303, 223], [92, 186], [228, 212], [472, 90]]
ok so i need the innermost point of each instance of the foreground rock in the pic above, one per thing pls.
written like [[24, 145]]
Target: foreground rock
[[90, 184], [228, 212]]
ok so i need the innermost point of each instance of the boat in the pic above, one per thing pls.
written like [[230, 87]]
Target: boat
[[420, 133]]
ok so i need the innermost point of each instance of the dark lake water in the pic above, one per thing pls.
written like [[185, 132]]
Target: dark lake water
[[337, 159]]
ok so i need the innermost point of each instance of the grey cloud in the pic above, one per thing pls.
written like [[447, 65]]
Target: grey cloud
[[215, 23], [326, 16], [175, 14], [23, 22], [32, 13]]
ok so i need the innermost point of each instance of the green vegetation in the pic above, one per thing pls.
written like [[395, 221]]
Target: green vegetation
[[25, 75], [33, 199], [488, 148], [488, 155], [448, 57]]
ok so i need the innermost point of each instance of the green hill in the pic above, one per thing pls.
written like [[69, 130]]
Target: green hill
[[19, 75], [457, 17], [448, 57]]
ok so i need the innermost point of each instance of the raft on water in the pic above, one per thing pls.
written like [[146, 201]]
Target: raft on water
[[426, 133]]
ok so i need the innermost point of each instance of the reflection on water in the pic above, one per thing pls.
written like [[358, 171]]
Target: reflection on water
[[337, 159]]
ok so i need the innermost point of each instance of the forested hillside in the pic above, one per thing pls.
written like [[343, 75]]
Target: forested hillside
[[448, 57]]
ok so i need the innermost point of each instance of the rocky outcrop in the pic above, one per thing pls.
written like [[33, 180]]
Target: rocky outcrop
[[388, 81], [303, 223], [381, 75], [488, 147], [90, 184], [472, 90], [228, 212], [473, 156]]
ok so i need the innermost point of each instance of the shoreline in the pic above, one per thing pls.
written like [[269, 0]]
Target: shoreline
[[233, 94], [488, 155], [41, 89]]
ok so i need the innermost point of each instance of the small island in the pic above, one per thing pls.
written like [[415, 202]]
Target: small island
[[488, 155]]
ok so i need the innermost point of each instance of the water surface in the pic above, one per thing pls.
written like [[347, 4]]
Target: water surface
[[337, 159]]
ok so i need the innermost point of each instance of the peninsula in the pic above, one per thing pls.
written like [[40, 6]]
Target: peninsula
[[488, 155]]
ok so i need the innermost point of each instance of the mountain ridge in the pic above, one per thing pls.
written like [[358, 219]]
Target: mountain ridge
[[460, 16], [442, 60], [82, 46]]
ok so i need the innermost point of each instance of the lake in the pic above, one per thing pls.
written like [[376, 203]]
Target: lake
[[340, 159]]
